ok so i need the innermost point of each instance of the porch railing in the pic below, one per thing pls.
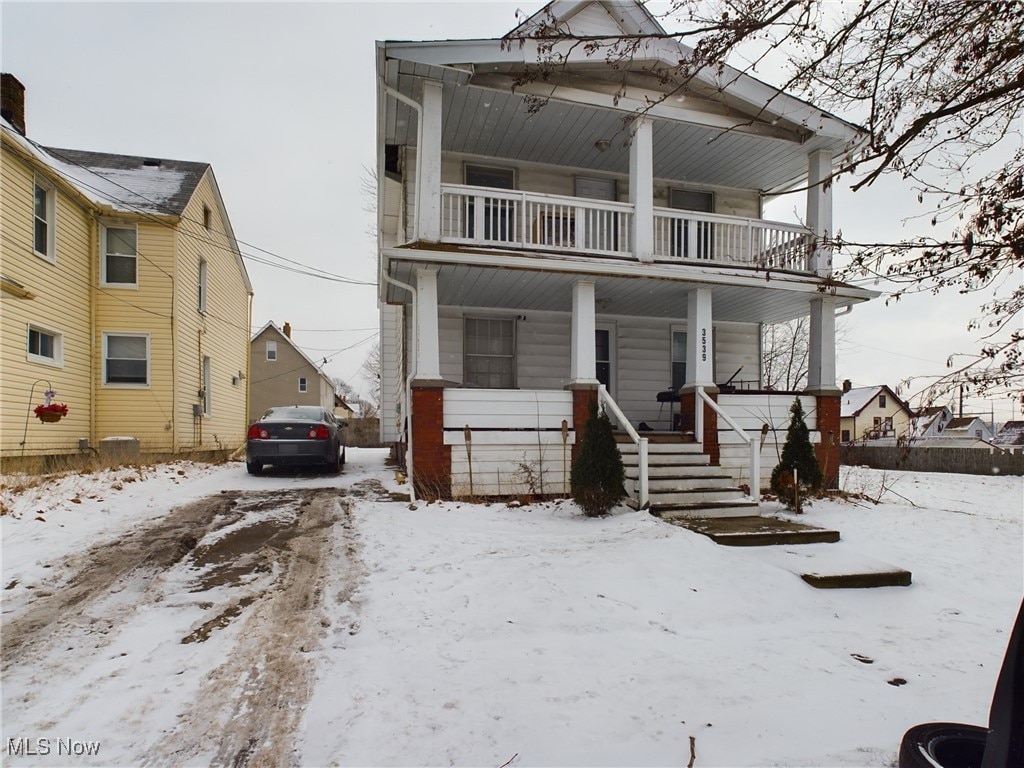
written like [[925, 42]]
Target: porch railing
[[495, 217], [752, 441], [608, 404], [513, 219]]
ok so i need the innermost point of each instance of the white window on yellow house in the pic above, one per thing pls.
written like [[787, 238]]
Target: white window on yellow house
[[303, 384], [120, 256], [44, 220], [203, 278], [45, 346], [126, 359], [271, 350], [207, 386]]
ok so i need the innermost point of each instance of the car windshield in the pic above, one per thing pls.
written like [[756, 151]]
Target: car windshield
[[294, 413]]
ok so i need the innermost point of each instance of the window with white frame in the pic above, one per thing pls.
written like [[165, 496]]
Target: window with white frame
[[203, 278], [678, 359], [207, 386], [45, 346], [271, 350], [44, 220], [120, 256], [490, 352], [126, 359], [303, 384]]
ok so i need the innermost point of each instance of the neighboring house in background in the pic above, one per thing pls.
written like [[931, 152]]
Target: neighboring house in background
[[123, 290], [931, 421], [342, 409], [1011, 434], [873, 413], [968, 427], [282, 374], [531, 256]]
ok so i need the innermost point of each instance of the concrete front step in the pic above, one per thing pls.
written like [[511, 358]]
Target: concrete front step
[[735, 508], [686, 496], [683, 477], [658, 449]]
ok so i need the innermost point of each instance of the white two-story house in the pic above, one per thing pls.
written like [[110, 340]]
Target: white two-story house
[[608, 247]]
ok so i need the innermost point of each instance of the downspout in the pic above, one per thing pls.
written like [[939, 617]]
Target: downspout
[[398, 284], [248, 367], [419, 156], [408, 380]]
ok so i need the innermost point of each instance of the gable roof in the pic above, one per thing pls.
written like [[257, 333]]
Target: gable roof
[[293, 345], [130, 183], [1011, 433], [857, 399]]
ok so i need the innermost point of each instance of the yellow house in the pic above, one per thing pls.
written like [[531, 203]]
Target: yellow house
[[125, 293], [872, 413]]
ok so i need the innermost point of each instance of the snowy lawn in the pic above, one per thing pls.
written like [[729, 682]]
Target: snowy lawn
[[468, 634]]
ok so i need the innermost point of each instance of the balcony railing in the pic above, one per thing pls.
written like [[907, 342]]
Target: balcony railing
[[510, 219]]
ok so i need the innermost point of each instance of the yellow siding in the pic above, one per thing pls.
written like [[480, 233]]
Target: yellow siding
[[222, 333], [164, 305], [140, 411], [61, 305]]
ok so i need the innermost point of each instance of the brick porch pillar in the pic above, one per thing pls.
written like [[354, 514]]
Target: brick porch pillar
[[431, 458], [827, 450], [688, 420], [582, 397]]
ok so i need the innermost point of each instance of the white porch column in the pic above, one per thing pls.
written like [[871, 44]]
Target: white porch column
[[819, 209], [699, 359], [428, 185], [583, 354], [641, 188], [428, 350], [821, 353]]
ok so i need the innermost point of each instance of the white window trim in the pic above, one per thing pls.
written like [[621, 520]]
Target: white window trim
[[271, 347], [207, 385], [303, 384], [51, 219], [149, 362], [57, 361], [515, 344], [204, 285], [103, 254], [675, 328]]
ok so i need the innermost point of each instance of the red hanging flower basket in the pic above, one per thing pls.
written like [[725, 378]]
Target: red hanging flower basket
[[51, 414]]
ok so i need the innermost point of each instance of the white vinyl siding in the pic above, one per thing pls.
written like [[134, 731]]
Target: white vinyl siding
[[120, 265], [45, 346], [126, 359], [44, 232]]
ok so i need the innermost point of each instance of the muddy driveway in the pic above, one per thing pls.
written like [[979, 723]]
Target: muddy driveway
[[214, 611]]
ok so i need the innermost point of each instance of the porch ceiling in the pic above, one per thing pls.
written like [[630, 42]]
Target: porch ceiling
[[547, 287], [495, 123]]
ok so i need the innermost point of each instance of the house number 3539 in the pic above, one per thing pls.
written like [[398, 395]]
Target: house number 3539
[[703, 344]]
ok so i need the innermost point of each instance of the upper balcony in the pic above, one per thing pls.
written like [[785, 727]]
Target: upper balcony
[[496, 218]]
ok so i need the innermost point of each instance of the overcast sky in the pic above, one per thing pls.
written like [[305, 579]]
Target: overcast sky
[[280, 100]]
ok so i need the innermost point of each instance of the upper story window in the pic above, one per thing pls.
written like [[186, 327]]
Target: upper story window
[[207, 217], [271, 350], [303, 384], [126, 358], [203, 278], [490, 352], [881, 401], [44, 216], [489, 176], [120, 256], [45, 346]]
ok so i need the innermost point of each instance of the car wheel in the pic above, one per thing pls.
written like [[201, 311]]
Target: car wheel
[[948, 745], [254, 467]]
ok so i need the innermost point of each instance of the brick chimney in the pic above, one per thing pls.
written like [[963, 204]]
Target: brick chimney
[[287, 330], [847, 385], [12, 101]]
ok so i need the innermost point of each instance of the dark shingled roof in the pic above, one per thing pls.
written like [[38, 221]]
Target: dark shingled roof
[[140, 184]]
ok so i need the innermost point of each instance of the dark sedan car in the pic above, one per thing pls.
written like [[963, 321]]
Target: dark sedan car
[[296, 435]]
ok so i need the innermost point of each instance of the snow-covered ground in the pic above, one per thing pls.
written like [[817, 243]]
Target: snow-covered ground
[[465, 634]]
